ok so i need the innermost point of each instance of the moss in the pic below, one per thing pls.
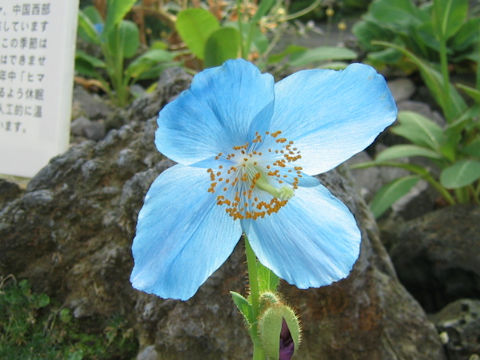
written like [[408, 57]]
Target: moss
[[33, 327]]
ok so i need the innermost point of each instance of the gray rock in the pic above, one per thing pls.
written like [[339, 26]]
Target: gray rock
[[73, 242], [116, 119], [37, 199], [402, 89], [95, 130], [8, 191], [89, 105], [437, 256], [459, 326], [148, 353], [92, 130], [77, 127], [422, 109], [367, 181]]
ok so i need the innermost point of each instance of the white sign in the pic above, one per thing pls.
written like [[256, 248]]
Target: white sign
[[37, 45]]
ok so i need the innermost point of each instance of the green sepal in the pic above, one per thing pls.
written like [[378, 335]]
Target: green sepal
[[268, 299], [243, 306], [270, 326]]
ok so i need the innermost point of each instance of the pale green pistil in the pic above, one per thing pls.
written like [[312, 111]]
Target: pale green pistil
[[283, 193]]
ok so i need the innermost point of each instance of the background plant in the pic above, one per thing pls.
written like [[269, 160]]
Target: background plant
[[416, 29], [245, 29], [119, 41], [195, 35], [453, 151]]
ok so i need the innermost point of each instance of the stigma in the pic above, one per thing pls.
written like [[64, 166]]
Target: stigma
[[260, 177]]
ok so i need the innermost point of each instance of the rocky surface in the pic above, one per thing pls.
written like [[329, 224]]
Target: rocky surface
[[459, 327], [437, 255], [70, 233]]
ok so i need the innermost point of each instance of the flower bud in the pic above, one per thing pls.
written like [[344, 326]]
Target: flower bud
[[279, 332]]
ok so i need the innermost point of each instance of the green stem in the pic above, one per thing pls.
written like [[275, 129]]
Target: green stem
[[276, 38], [240, 29], [474, 196], [446, 78], [258, 353], [476, 192], [424, 175], [478, 64], [302, 12], [463, 194]]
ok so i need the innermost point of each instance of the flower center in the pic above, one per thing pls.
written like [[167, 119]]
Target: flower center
[[256, 183]]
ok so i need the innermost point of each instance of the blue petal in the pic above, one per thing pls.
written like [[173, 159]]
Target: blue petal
[[182, 235], [313, 241], [223, 108], [332, 115]]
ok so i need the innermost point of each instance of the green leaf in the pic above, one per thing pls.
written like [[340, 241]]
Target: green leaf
[[390, 193], [155, 71], [93, 61], [223, 44], [124, 40], [320, 54], [395, 14], [86, 29], [419, 130], [243, 306], [472, 92], [92, 13], [473, 148], [416, 169], [448, 16], [453, 108], [335, 65], [467, 36], [158, 45], [65, 316], [259, 40], [366, 31], [41, 300], [386, 56], [463, 122], [116, 11], [146, 61], [195, 27], [84, 68], [402, 151], [460, 174], [267, 280], [290, 49], [262, 10]]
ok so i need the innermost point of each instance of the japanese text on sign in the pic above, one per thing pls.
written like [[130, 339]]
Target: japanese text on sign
[[36, 69]]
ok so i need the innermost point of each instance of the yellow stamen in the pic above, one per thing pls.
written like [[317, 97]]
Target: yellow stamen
[[249, 173]]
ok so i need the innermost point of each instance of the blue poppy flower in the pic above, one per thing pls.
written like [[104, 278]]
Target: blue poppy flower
[[247, 150]]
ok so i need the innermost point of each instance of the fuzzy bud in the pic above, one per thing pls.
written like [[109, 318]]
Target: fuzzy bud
[[279, 332]]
